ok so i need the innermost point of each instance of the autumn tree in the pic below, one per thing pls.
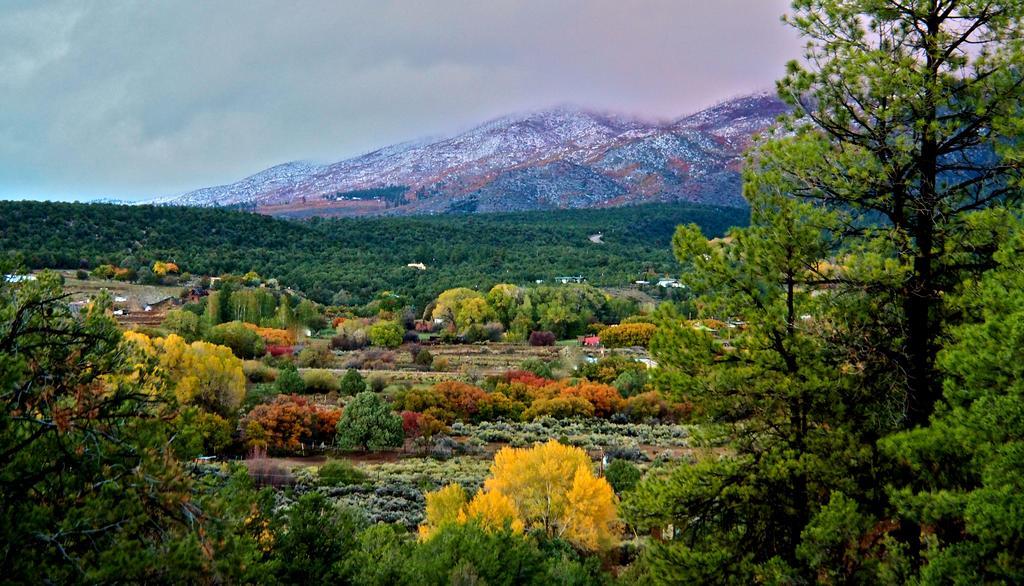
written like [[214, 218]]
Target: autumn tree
[[91, 489], [205, 374], [289, 423], [462, 307], [553, 489], [626, 335]]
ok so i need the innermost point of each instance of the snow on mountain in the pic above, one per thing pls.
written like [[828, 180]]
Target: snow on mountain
[[557, 158]]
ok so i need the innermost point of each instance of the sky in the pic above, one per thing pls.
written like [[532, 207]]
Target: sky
[[140, 99]]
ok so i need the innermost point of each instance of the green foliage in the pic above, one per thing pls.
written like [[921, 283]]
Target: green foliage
[[622, 475], [341, 473], [368, 423], [183, 323], [244, 342], [386, 334], [289, 381], [352, 383], [538, 367], [87, 435], [424, 358], [314, 541], [320, 381], [363, 256]]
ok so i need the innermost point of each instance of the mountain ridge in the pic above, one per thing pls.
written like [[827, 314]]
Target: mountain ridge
[[562, 157]]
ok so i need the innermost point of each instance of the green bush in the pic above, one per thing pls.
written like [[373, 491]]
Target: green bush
[[315, 355], [289, 382], [352, 383], [622, 475], [244, 342], [369, 423], [424, 358], [537, 367], [341, 473], [386, 334], [320, 381], [257, 372]]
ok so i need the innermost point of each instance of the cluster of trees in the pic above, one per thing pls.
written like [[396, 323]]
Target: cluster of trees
[[96, 490], [524, 395], [549, 488], [563, 310], [874, 390], [348, 261]]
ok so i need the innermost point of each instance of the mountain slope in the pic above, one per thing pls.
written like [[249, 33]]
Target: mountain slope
[[553, 159]]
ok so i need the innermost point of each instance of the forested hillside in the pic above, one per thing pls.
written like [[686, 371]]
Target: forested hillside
[[360, 256]]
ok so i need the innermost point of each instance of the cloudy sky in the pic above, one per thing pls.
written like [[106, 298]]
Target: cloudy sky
[[136, 99]]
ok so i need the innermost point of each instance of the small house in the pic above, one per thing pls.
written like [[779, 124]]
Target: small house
[[566, 280]]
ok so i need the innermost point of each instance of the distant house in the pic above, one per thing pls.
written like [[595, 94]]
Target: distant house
[[417, 265], [642, 283], [18, 278], [670, 283], [196, 295], [567, 280], [162, 303]]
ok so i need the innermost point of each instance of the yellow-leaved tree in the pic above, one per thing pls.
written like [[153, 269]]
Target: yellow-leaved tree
[[550, 487], [203, 374], [492, 511], [443, 508]]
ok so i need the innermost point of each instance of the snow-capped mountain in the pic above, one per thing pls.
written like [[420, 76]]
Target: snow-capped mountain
[[564, 157]]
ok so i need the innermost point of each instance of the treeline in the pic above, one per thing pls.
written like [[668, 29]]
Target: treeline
[[360, 257]]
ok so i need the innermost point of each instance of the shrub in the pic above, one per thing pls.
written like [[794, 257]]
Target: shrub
[[627, 335], [273, 336], [352, 383], [538, 338], [369, 423], [631, 382], [315, 356], [646, 406], [411, 424], [622, 475], [559, 408], [289, 382], [257, 372], [288, 423], [424, 358], [350, 340], [342, 473], [538, 367], [320, 381], [82, 275], [605, 398], [183, 323], [376, 383], [386, 334], [608, 369], [459, 400], [244, 342]]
